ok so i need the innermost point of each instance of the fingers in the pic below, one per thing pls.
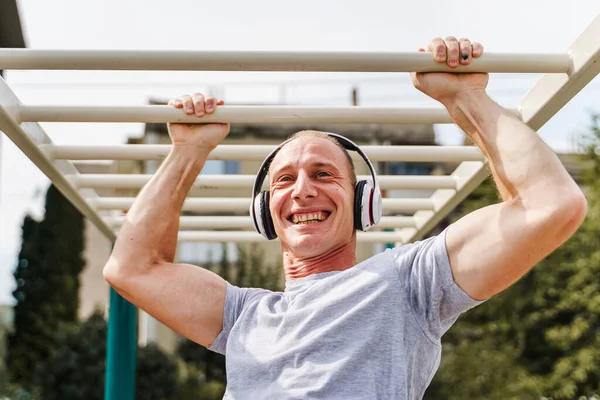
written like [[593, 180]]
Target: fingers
[[197, 106], [454, 52], [175, 103], [465, 51], [477, 50], [438, 48], [196, 103]]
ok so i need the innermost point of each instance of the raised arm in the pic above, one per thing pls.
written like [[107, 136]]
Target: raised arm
[[541, 206], [188, 299]]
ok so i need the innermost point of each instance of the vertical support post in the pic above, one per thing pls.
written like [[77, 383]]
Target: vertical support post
[[121, 349]]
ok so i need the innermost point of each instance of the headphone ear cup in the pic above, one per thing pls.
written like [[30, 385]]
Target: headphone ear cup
[[358, 205], [265, 216], [376, 206]]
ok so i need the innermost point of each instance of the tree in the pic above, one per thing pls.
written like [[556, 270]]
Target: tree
[[540, 337], [76, 370], [156, 375], [47, 277]]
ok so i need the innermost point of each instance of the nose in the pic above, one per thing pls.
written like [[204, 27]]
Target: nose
[[303, 187]]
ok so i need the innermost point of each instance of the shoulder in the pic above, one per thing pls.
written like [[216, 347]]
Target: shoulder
[[242, 297], [429, 251]]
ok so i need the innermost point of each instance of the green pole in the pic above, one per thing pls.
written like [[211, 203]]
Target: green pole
[[121, 348]]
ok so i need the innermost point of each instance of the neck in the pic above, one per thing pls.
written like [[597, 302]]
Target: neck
[[338, 259]]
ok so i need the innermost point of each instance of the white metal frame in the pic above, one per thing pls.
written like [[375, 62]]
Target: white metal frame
[[566, 74]]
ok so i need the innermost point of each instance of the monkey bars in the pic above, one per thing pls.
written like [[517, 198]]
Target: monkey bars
[[566, 74]]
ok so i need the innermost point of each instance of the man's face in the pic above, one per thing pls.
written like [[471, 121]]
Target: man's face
[[312, 197]]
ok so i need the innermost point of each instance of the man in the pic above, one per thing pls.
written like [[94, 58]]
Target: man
[[342, 330]]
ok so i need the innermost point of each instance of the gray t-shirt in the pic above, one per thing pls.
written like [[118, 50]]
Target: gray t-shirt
[[370, 332]]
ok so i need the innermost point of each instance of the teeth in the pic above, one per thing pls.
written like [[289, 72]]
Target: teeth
[[308, 218]]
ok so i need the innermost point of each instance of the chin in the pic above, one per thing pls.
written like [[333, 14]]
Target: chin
[[311, 245], [308, 245]]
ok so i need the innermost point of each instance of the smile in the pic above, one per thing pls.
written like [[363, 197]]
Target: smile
[[309, 218]]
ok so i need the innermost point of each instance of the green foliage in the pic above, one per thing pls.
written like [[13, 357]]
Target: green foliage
[[47, 278], [540, 337], [156, 375], [76, 370]]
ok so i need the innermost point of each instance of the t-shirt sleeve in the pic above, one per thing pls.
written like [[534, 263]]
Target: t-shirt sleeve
[[433, 295], [236, 300]]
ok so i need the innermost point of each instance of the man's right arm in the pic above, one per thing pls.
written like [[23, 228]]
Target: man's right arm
[[188, 299]]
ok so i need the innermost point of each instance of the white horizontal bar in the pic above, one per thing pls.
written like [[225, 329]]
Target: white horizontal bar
[[272, 61], [259, 152], [250, 237], [244, 222], [28, 138], [122, 181], [212, 204], [239, 114]]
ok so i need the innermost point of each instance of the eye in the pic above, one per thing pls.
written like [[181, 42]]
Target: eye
[[322, 174], [284, 178]]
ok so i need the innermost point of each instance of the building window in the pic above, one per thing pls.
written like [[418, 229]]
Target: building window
[[408, 168], [215, 167], [204, 253]]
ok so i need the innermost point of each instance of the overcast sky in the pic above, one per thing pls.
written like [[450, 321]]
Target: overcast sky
[[502, 26]]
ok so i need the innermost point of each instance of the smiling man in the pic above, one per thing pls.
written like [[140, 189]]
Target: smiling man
[[342, 329]]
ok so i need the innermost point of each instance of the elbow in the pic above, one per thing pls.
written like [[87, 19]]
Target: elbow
[[121, 273], [578, 208], [571, 212], [112, 272], [117, 272]]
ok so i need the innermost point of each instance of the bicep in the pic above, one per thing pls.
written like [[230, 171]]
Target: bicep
[[493, 247], [187, 298]]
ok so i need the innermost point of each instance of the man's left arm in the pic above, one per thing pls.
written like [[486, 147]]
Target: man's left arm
[[541, 206]]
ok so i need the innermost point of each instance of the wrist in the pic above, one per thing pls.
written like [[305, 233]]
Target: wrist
[[190, 152], [463, 100]]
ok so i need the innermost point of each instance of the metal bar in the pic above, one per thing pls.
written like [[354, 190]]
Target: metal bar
[[132, 181], [121, 349], [249, 237], [273, 61], [540, 104], [236, 222], [552, 92], [28, 137], [239, 114], [259, 152], [217, 204], [468, 175]]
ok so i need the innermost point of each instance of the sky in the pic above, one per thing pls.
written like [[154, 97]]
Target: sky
[[532, 26]]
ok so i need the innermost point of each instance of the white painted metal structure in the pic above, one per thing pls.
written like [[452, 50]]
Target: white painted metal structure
[[565, 75]]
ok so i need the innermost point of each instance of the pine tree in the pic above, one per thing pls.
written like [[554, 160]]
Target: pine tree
[[47, 277]]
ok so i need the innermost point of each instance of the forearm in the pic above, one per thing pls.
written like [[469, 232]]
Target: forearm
[[149, 233], [522, 165]]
